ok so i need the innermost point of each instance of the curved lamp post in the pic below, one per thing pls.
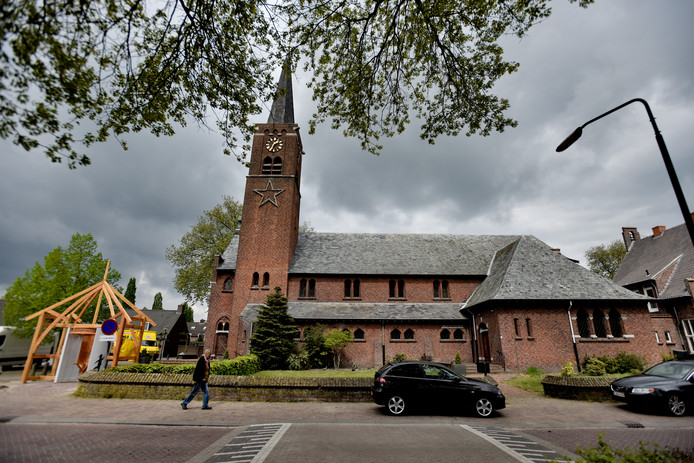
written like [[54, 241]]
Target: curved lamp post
[[663, 150]]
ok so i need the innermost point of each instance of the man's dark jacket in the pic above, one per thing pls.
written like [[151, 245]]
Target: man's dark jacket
[[200, 370]]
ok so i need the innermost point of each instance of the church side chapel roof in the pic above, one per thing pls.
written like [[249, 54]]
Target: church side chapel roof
[[528, 269], [649, 256], [367, 311]]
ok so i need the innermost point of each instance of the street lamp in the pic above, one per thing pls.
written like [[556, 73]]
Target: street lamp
[[663, 150]]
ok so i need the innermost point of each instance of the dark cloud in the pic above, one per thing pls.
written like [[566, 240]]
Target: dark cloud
[[574, 66]]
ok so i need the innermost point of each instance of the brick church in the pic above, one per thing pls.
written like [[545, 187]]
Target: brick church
[[509, 300]]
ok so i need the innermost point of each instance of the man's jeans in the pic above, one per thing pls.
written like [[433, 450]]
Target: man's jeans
[[193, 393]]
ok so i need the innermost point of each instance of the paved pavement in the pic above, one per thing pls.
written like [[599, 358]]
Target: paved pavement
[[42, 421]]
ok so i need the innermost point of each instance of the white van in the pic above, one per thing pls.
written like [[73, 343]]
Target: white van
[[14, 350]]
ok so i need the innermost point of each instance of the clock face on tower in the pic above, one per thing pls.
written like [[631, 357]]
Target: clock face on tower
[[274, 144]]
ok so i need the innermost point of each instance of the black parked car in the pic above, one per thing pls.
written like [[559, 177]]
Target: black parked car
[[404, 385], [668, 386]]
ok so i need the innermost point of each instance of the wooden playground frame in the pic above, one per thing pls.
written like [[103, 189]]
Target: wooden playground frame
[[52, 318]]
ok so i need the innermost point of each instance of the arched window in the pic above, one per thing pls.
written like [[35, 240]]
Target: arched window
[[583, 323], [616, 324], [395, 334], [266, 279], [312, 288], [445, 334], [401, 289], [444, 289], [391, 288], [227, 285], [599, 323], [277, 166], [356, 288], [348, 288], [267, 166], [409, 334], [437, 286], [516, 328], [458, 334], [358, 333], [302, 288], [256, 279], [529, 327], [223, 325]]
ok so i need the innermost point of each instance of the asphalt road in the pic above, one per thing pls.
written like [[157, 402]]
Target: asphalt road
[[43, 422]]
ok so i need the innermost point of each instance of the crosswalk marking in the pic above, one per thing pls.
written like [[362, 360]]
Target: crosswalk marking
[[523, 449], [253, 445]]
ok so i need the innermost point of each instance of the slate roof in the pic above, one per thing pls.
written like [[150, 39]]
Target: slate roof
[[163, 318], [366, 311], [528, 269], [517, 267], [650, 256]]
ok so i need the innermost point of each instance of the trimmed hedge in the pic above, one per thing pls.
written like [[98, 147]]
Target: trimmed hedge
[[591, 388], [239, 366], [111, 384]]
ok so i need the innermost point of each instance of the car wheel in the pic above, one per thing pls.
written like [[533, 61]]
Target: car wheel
[[396, 405], [483, 407], [676, 405]]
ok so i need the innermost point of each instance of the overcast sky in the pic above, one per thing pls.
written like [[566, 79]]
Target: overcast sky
[[574, 66]]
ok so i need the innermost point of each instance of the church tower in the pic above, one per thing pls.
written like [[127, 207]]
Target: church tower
[[270, 219]]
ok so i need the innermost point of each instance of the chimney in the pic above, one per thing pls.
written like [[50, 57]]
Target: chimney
[[658, 230], [180, 308]]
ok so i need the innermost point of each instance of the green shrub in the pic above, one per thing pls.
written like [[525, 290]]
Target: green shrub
[[567, 369], [621, 363], [298, 361], [239, 366], [534, 371], [594, 367], [604, 453], [457, 360], [399, 358]]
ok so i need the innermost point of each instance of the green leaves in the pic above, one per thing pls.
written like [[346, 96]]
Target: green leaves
[[64, 272], [193, 257], [122, 66]]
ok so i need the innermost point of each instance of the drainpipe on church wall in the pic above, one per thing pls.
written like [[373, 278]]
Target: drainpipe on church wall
[[573, 337]]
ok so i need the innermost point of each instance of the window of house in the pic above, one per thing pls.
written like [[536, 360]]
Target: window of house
[[401, 288], [516, 328], [688, 326], [223, 326], [529, 327], [599, 324], [650, 292], [668, 337], [356, 286], [391, 288], [395, 334], [266, 280], [256, 279], [583, 323], [359, 334], [307, 288], [348, 288], [311, 288], [458, 334], [616, 323], [302, 288], [409, 334], [227, 285], [444, 289], [352, 289], [436, 289], [445, 334], [657, 337]]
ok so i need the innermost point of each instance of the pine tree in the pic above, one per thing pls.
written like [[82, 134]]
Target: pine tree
[[273, 337], [130, 291], [158, 303]]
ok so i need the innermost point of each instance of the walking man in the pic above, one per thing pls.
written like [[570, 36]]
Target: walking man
[[200, 377]]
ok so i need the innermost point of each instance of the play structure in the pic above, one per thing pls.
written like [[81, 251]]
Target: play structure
[[83, 344]]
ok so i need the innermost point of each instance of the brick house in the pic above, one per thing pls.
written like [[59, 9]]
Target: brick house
[[504, 299], [662, 266]]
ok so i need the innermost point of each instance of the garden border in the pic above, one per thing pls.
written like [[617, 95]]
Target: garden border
[[589, 388]]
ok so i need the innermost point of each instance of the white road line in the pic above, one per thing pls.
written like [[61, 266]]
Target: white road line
[[511, 452], [265, 451]]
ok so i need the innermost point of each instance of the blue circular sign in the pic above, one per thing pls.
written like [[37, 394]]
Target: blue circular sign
[[109, 326]]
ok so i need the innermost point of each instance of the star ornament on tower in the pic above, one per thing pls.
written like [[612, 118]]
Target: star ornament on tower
[[269, 194]]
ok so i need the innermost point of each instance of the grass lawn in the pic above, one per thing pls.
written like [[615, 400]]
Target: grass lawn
[[533, 382], [328, 373]]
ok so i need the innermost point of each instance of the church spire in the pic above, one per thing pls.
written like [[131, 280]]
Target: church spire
[[282, 111]]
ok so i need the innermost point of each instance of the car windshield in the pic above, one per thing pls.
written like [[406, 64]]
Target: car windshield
[[669, 370], [431, 371]]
